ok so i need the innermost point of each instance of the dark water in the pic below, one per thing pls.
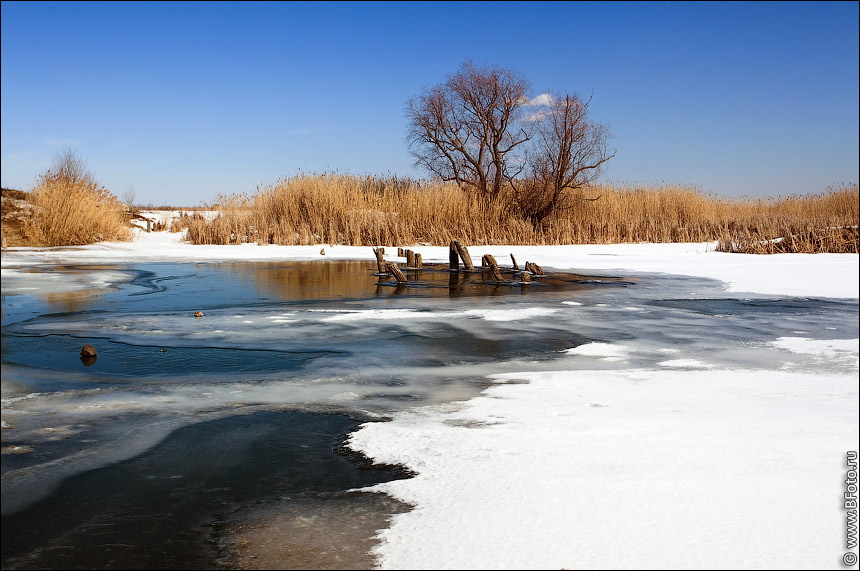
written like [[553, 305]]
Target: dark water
[[186, 429], [159, 510]]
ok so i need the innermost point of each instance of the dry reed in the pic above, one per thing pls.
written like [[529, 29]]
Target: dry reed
[[352, 210], [72, 210]]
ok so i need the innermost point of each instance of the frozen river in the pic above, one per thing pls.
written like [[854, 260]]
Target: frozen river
[[186, 429]]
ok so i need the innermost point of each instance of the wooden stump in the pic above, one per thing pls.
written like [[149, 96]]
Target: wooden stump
[[410, 259], [380, 261], [534, 269], [494, 267], [525, 278], [514, 260], [395, 271], [497, 275], [399, 252], [418, 262], [464, 255], [453, 257]]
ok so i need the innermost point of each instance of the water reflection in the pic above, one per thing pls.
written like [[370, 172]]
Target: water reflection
[[356, 279]]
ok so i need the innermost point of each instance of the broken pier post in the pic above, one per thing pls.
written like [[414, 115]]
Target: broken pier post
[[395, 271], [453, 257], [380, 261], [464, 255], [494, 267], [534, 269]]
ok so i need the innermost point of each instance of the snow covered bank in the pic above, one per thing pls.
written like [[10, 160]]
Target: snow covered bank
[[623, 469]]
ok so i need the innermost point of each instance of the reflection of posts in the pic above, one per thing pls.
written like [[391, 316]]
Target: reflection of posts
[[395, 271], [453, 282]]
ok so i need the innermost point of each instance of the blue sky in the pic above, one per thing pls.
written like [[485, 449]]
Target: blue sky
[[183, 101]]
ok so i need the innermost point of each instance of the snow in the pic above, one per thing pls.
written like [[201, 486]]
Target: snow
[[687, 461], [625, 469]]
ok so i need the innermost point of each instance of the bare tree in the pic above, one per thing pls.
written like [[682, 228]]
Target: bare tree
[[467, 129], [129, 197], [568, 154], [69, 167], [473, 129]]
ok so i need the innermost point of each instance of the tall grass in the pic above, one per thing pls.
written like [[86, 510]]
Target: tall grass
[[344, 209], [70, 208]]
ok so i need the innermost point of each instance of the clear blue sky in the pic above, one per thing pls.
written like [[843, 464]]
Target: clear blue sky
[[183, 101]]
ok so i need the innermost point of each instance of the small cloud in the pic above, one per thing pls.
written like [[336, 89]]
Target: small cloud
[[542, 99], [535, 117]]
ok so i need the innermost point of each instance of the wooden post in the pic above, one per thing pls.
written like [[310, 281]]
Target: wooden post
[[410, 259], [395, 271], [525, 278], [494, 267], [399, 252], [464, 255], [453, 257], [380, 261], [148, 225], [534, 268], [514, 260], [418, 262]]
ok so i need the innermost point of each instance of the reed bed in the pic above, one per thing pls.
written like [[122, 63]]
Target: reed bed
[[70, 210], [364, 211]]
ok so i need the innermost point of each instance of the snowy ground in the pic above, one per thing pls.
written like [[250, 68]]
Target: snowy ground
[[617, 454]]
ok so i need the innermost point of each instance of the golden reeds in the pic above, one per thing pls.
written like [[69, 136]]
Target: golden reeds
[[353, 210], [73, 210]]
